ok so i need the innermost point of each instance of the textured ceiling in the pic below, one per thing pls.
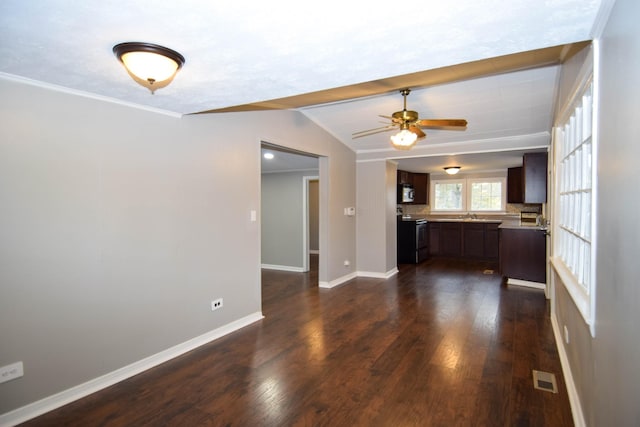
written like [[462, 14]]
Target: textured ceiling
[[265, 53]]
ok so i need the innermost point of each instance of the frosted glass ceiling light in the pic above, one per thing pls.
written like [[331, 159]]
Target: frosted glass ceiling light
[[151, 65], [404, 140], [452, 170]]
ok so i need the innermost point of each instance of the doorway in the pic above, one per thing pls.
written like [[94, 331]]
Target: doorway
[[290, 208], [311, 219]]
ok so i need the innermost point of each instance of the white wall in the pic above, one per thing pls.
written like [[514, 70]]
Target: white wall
[[118, 226], [605, 367]]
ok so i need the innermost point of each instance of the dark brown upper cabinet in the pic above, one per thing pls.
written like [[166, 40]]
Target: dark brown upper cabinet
[[420, 183], [514, 185], [528, 183], [534, 166]]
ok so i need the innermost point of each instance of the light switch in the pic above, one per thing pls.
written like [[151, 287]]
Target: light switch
[[254, 216]]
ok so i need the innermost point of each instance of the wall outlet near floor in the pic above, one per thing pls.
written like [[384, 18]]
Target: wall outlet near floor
[[347, 263], [566, 335], [216, 304], [11, 372]]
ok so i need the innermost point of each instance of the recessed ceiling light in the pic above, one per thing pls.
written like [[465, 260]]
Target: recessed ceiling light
[[268, 156]]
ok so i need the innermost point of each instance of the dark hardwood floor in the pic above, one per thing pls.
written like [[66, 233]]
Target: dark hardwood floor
[[440, 344]]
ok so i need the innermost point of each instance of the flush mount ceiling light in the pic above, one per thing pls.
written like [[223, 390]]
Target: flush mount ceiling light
[[150, 65], [268, 156], [452, 170]]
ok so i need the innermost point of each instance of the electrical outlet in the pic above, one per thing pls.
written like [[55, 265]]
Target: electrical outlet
[[11, 372], [347, 263], [216, 304]]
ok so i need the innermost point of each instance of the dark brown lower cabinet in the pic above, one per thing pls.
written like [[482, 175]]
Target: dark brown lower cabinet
[[451, 239], [464, 239], [473, 240], [492, 241], [435, 229], [523, 254]]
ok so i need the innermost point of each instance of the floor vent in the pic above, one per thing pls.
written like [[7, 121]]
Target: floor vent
[[545, 381], [487, 271]]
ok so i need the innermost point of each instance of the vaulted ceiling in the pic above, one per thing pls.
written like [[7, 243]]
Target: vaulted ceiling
[[341, 64]]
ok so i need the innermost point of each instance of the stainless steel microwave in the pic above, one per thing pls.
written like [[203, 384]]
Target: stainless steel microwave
[[405, 193]]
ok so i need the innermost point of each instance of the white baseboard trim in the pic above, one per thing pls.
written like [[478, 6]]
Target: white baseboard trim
[[282, 268], [572, 391], [314, 251], [55, 401], [377, 275], [526, 283], [338, 281]]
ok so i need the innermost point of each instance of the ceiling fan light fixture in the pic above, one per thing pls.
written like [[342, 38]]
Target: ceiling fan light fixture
[[151, 65], [452, 170], [404, 140]]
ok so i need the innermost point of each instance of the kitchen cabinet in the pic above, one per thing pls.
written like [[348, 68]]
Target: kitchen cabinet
[[421, 188], [534, 179], [473, 240], [477, 240], [451, 239], [405, 177], [491, 241], [413, 241], [523, 254], [514, 185], [420, 184], [434, 238], [528, 183]]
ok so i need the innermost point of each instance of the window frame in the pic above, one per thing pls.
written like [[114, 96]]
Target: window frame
[[467, 183], [577, 129]]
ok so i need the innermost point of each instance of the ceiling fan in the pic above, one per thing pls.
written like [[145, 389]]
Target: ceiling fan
[[410, 126]]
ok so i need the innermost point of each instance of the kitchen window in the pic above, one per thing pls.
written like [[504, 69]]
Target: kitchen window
[[469, 195], [573, 257]]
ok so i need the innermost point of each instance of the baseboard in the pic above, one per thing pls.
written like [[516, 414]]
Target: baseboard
[[338, 281], [55, 401], [572, 391], [526, 283], [282, 268], [377, 275], [314, 251]]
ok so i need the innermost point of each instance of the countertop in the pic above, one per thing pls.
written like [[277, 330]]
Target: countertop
[[515, 224], [504, 222]]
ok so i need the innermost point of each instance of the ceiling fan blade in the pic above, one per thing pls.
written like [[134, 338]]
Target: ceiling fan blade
[[459, 123], [372, 131], [417, 131]]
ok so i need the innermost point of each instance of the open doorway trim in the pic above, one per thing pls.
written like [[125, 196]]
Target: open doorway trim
[[305, 220]]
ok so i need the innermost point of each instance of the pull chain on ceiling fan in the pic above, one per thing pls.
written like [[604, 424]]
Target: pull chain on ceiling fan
[[410, 126]]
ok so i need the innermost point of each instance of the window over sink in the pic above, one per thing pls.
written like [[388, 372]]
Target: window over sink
[[486, 194]]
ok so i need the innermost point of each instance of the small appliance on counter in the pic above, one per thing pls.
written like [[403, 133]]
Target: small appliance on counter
[[529, 218]]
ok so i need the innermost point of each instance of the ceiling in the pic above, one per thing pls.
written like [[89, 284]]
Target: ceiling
[[341, 64]]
